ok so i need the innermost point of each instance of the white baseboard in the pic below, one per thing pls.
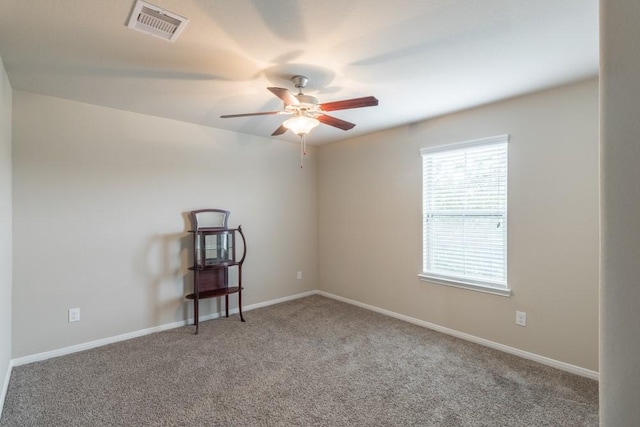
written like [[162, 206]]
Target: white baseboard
[[497, 346], [98, 343], [278, 300], [135, 334], [5, 386]]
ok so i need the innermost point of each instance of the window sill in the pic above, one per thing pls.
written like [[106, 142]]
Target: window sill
[[465, 285]]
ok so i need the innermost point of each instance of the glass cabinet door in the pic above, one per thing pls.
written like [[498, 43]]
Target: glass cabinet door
[[215, 248]]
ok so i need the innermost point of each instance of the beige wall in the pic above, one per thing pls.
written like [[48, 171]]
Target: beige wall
[[370, 237], [620, 165], [100, 200], [5, 227]]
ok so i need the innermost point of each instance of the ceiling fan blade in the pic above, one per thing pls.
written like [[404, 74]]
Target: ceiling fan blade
[[367, 101], [279, 131], [266, 113], [287, 97], [335, 122]]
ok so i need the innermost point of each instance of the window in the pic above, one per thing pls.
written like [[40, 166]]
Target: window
[[465, 214]]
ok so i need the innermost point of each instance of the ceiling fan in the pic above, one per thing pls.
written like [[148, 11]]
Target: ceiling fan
[[307, 106], [307, 112]]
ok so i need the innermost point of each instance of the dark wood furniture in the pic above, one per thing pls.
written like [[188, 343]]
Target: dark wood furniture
[[214, 257]]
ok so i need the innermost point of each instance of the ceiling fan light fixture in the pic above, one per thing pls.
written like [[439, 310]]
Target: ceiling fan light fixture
[[301, 125]]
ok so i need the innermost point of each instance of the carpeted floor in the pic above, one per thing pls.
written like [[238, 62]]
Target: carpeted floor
[[308, 362]]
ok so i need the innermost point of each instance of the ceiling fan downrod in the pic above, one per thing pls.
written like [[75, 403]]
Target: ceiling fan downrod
[[300, 82]]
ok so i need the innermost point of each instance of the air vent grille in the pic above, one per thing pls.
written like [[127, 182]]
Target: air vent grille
[[155, 21]]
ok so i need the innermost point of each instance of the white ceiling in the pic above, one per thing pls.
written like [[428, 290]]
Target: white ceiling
[[420, 58]]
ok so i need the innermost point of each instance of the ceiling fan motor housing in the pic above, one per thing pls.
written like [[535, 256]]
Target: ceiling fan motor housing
[[308, 107], [307, 100]]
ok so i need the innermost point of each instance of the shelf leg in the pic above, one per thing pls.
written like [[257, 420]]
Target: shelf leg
[[240, 303], [195, 314], [226, 304]]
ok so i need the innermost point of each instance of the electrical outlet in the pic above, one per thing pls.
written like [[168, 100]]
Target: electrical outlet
[[299, 275], [74, 315], [521, 318]]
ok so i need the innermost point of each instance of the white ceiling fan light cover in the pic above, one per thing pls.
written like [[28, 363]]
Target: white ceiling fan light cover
[[301, 124]]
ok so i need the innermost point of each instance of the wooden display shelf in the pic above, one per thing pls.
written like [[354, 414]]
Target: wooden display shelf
[[215, 292], [211, 276], [210, 266]]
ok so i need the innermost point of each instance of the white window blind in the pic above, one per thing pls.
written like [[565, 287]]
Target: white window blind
[[465, 212]]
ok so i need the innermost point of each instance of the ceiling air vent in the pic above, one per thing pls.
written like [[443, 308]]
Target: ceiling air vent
[[152, 20]]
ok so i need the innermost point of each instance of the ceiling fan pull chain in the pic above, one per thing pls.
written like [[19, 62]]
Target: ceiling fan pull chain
[[303, 148]]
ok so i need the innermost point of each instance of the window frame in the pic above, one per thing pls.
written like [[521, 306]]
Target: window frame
[[462, 281]]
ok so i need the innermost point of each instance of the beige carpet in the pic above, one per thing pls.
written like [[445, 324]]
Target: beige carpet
[[308, 362]]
